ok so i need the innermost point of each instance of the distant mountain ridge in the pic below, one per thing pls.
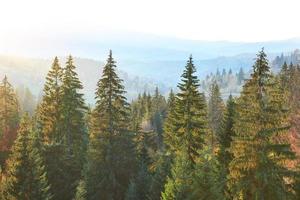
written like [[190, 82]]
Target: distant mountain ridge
[[31, 72], [144, 61]]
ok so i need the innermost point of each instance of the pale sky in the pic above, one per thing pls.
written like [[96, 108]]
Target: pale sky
[[233, 20]]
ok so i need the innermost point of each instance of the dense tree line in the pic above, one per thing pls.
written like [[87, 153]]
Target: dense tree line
[[185, 146], [228, 81]]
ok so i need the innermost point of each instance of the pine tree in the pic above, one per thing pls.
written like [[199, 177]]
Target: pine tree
[[206, 183], [225, 138], [49, 113], [52, 119], [186, 125], [284, 76], [25, 177], [159, 109], [160, 172], [136, 116], [215, 112], [73, 111], [73, 132], [179, 183], [241, 76], [169, 125], [258, 169], [139, 185], [9, 117], [8, 107], [111, 151]]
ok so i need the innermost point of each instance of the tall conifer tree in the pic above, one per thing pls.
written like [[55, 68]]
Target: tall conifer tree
[[258, 169], [215, 112], [111, 151], [224, 139], [186, 125], [49, 113], [179, 183], [52, 120], [73, 110], [9, 117], [25, 177]]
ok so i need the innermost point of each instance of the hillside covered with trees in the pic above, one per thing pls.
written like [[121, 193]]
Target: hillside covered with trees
[[232, 135]]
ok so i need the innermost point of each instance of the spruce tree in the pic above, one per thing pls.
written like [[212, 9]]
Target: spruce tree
[[111, 159], [140, 184], [49, 113], [258, 169], [169, 125], [215, 112], [8, 107], [9, 117], [52, 120], [160, 172], [73, 131], [25, 177], [241, 76], [285, 76], [73, 111], [186, 126], [206, 183], [179, 183], [159, 111], [224, 139]]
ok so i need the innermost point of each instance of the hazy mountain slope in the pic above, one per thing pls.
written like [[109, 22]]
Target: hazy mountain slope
[[31, 73], [143, 60]]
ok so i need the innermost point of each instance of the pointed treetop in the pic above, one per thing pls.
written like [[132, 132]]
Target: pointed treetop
[[261, 66], [284, 67], [110, 53], [191, 58], [156, 92], [171, 91]]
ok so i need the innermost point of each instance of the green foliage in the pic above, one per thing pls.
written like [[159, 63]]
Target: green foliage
[[241, 76], [206, 180], [81, 191], [61, 122], [186, 125], [179, 184], [148, 115], [62, 171], [258, 169], [215, 113], [111, 156], [131, 193], [140, 184], [9, 118], [49, 112], [72, 114], [26, 177], [224, 139], [153, 149], [160, 173]]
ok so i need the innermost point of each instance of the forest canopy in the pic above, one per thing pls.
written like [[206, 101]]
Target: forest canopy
[[198, 142]]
